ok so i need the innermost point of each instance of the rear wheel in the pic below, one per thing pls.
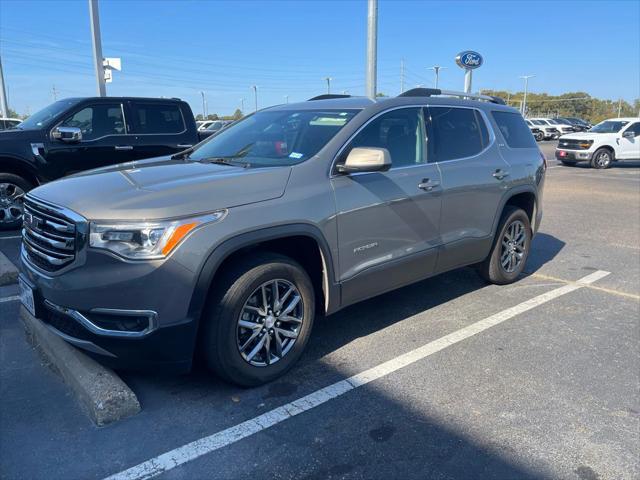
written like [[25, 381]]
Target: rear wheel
[[510, 248], [259, 321], [602, 158], [12, 190]]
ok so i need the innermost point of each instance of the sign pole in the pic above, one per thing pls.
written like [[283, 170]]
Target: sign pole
[[468, 73]]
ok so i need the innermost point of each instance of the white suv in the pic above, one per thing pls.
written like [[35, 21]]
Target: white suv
[[609, 141], [563, 128], [550, 132]]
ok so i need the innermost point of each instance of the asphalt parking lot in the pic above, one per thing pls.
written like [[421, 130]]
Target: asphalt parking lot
[[539, 379]]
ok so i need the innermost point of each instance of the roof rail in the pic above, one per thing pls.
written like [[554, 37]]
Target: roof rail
[[328, 96], [429, 92]]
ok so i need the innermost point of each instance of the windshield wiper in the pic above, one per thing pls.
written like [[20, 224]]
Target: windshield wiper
[[225, 161], [183, 155]]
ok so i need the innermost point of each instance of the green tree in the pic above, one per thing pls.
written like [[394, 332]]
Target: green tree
[[237, 115]]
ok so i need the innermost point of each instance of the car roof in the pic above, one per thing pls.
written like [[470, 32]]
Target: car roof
[[120, 99], [623, 119]]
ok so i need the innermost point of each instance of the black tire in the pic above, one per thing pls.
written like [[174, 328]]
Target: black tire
[[568, 164], [9, 185], [539, 137], [492, 269], [602, 158], [220, 334]]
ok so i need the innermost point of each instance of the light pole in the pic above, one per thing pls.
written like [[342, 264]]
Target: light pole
[[372, 47], [286, 99], [437, 68], [4, 107], [242, 105], [328, 79], [526, 87], [255, 95], [204, 107], [97, 47], [619, 108]]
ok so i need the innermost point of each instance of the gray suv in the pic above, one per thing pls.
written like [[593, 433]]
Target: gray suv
[[233, 247]]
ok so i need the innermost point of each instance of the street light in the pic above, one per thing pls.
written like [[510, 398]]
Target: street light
[[437, 68], [328, 79], [204, 107], [372, 48], [524, 99], [286, 99], [255, 94]]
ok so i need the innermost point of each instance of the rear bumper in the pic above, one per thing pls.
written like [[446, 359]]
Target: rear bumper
[[573, 155]]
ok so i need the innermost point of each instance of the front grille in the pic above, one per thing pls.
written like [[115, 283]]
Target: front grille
[[573, 144], [48, 237]]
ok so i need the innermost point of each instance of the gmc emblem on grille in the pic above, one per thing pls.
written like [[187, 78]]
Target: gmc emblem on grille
[[31, 221]]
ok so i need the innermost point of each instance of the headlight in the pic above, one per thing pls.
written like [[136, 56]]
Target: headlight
[[146, 240]]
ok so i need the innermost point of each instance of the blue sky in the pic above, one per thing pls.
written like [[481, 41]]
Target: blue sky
[[179, 48]]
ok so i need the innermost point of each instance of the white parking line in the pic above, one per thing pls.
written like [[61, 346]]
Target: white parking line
[[9, 299], [181, 455]]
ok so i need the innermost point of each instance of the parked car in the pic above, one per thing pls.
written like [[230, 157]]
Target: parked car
[[609, 141], [203, 124], [577, 126], [214, 127], [78, 134], [579, 121], [232, 247], [9, 123], [537, 133], [563, 128], [550, 132]]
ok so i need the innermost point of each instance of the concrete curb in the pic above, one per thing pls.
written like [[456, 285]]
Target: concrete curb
[[98, 389], [8, 271]]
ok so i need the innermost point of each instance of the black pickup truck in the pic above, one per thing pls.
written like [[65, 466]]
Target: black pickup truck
[[78, 134]]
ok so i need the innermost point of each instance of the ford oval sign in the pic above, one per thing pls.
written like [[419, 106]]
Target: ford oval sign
[[469, 60]]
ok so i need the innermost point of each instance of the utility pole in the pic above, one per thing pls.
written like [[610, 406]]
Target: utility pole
[[242, 105], [286, 99], [97, 47], [255, 94], [204, 106], [437, 68], [402, 75], [372, 48], [619, 108], [328, 79], [54, 92], [4, 106], [524, 100]]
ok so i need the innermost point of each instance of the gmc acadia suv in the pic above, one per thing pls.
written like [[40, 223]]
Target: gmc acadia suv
[[234, 246]]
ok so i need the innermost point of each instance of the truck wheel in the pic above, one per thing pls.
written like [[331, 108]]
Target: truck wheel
[[539, 136], [510, 249], [602, 158], [12, 189], [258, 322]]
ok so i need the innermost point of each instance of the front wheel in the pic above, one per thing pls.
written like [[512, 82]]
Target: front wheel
[[259, 321], [539, 136], [602, 158], [510, 249], [12, 190]]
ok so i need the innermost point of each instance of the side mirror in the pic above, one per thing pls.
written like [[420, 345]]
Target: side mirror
[[67, 134], [628, 134], [367, 159]]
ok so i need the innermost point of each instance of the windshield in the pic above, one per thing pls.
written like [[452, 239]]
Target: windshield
[[275, 137], [538, 122], [38, 119], [609, 126]]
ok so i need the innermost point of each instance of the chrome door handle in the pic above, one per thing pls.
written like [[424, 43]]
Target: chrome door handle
[[184, 145], [500, 174], [124, 147], [428, 185]]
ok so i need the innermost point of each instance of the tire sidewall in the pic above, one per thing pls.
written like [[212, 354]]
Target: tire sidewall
[[594, 161], [24, 185], [232, 366], [501, 276]]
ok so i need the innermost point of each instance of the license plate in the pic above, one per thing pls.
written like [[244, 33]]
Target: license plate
[[26, 296]]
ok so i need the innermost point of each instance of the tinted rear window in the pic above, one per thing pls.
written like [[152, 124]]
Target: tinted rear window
[[455, 133], [514, 130], [158, 118]]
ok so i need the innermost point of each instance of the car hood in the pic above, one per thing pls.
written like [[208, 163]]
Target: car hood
[[583, 136], [162, 188], [17, 134]]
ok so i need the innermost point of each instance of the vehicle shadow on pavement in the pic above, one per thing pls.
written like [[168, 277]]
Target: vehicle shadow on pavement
[[544, 248]]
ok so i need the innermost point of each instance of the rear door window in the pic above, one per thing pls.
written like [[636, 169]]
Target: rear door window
[[158, 118], [514, 130], [454, 133]]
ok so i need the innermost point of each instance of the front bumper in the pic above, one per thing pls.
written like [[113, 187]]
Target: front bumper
[[573, 155], [79, 304]]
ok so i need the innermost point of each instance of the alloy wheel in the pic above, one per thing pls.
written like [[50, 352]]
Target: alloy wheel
[[603, 159], [269, 322], [10, 203], [513, 246]]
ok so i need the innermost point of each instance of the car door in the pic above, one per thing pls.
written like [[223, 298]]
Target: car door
[[387, 222], [474, 175], [629, 147], [105, 140], [160, 129]]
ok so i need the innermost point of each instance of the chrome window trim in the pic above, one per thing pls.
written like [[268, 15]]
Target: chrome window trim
[[124, 122], [105, 332]]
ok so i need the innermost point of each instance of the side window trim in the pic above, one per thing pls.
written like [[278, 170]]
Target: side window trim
[[91, 105], [332, 171], [478, 113]]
